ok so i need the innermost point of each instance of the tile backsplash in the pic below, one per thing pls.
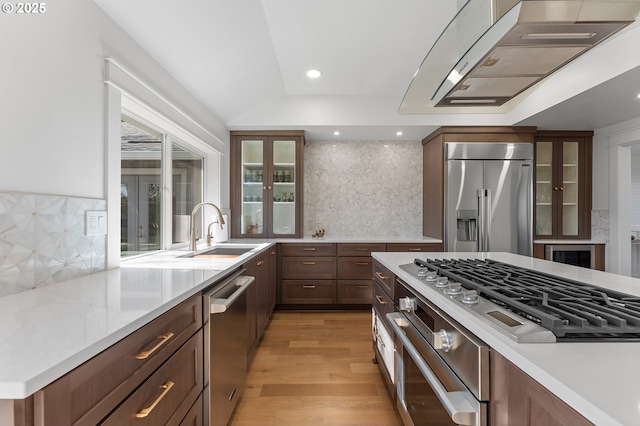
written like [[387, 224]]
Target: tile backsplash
[[363, 188], [42, 240]]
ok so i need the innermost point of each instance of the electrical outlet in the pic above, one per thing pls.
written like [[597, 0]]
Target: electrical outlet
[[95, 222]]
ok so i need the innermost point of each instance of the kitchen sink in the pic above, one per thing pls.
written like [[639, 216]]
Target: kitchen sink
[[219, 253]]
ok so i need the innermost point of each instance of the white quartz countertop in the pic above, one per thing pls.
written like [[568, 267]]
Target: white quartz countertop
[[48, 331], [600, 380]]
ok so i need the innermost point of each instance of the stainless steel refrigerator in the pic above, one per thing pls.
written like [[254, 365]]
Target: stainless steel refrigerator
[[489, 197]]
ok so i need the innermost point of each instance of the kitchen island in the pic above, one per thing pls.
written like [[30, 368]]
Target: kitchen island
[[597, 379]]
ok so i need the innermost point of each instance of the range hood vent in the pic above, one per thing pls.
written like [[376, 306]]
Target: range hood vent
[[495, 49]]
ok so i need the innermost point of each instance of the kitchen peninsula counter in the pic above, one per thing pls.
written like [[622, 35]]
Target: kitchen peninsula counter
[[49, 331], [597, 379]]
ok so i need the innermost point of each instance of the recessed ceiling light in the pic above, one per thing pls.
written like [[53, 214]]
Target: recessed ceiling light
[[336, 133], [313, 73], [398, 133]]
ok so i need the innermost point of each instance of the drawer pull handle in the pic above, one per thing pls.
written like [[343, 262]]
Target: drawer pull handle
[[146, 411], [380, 341], [382, 277], [308, 263], [260, 263], [308, 249], [146, 354], [362, 286], [308, 286], [362, 263], [362, 249], [415, 249], [382, 302]]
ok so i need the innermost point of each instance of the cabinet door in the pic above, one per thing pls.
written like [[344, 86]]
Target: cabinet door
[[284, 217], [544, 189], [517, 399], [563, 187]]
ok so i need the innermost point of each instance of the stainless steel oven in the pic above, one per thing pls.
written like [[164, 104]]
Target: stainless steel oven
[[442, 371], [572, 254]]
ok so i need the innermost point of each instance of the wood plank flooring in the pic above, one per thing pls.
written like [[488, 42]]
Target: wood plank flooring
[[315, 369]]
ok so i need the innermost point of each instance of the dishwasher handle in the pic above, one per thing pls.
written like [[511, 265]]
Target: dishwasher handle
[[219, 306]]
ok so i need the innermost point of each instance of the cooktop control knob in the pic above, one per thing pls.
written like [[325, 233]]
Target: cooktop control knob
[[470, 297], [454, 289], [442, 282]]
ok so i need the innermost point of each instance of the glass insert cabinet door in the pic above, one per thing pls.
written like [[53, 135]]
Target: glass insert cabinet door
[[544, 189], [562, 183], [284, 187], [252, 192], [266, 185]]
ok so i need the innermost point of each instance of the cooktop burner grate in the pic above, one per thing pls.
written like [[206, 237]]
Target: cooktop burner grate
[[572, 310]]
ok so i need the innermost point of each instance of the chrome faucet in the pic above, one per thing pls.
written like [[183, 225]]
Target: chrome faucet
[[192, 234]]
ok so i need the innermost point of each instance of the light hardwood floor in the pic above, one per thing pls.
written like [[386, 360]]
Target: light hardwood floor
[[313, 369]]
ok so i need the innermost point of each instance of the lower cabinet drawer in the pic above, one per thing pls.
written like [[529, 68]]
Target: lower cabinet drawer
[[382, 303], [308, 292], [314, 268], [167, 396], [355, 268], [355, 291]]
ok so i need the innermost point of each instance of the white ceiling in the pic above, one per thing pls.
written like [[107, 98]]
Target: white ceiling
[[246, 61]]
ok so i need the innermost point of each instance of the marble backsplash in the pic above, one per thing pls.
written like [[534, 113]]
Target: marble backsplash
[[363, 188], [600, 225], [42, 240]]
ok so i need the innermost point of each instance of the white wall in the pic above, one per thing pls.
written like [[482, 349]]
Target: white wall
[[52, 102], [612, 188]]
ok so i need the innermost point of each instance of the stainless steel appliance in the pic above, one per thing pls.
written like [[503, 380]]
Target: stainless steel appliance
[[489, 197], [533, 307], [225, 335], [573, 254], [442, 370]]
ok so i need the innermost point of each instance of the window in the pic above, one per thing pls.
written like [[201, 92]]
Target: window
[[155, 163]]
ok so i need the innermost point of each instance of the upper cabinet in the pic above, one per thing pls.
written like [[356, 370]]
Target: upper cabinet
[[563, 185], [266, 183]]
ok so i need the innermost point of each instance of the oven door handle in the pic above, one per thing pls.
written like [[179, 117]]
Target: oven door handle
[[462, 406]]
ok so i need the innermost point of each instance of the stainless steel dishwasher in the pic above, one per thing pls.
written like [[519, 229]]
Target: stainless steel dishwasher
[[225, 346]]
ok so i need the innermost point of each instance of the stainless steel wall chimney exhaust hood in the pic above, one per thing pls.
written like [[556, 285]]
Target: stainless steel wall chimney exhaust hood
[[494, 49]]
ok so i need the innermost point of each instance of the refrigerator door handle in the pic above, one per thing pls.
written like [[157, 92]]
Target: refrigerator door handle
[[484, 219]]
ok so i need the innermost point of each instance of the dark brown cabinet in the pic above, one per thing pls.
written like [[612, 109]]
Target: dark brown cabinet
[[258, 299], [266, 184], [167, 396], [383, 341], [517, 399], [308, 274], [132, 375], [354, 272], [562, 179], [415, 247]]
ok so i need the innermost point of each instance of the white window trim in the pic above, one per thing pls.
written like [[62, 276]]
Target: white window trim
[[120, 101]]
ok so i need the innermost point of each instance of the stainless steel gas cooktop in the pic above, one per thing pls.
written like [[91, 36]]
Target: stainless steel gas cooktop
[[532, 306]]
